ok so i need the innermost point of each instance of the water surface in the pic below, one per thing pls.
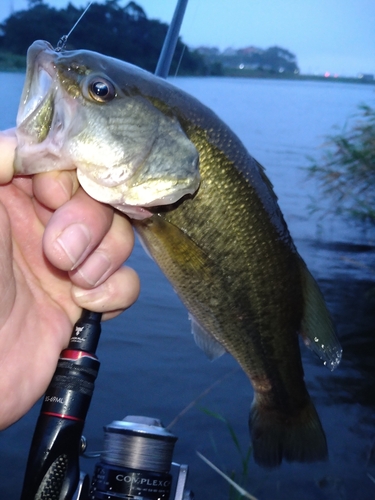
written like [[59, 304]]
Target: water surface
[[150, 364]]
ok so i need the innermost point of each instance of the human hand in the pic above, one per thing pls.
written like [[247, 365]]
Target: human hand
[[60, 251]]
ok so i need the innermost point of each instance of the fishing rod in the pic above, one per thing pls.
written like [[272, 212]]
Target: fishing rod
[[170, 42], [52, 470]]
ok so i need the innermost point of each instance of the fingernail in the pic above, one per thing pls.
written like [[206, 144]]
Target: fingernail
[[90, 296], [74, 240], [94, 268]]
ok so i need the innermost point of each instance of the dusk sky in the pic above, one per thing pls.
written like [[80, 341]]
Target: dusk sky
[[336, 36]]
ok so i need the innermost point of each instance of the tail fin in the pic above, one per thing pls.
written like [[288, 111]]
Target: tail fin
[[299, 438]]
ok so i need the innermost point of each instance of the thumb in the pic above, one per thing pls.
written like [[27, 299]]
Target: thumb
[[7, 281], [8, 143]]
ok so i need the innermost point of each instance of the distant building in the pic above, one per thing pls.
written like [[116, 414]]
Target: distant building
[[367, 77]]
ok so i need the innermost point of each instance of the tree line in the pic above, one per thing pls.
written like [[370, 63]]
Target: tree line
[[123, 32], [274, 59]]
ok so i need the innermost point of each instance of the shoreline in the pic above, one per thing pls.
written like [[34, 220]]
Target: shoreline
[[12, 63], [243, 73]]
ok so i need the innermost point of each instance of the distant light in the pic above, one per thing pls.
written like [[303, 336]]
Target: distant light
[[327, 74], [335, 75], [241, 66]]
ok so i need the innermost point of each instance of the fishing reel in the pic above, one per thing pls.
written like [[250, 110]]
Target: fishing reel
[[136, 463]]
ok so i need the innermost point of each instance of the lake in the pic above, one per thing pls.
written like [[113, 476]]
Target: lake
[[150, 364]]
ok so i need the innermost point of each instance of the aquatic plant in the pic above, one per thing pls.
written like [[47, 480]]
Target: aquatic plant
[[237, 480], [346, 171]]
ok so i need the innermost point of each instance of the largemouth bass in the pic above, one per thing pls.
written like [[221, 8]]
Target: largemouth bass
[[207, 214]]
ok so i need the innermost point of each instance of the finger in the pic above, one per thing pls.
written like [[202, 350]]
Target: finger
[[75, 230], [113, 296], [53, 189], [8, 144], [7, 282], [110, 254]]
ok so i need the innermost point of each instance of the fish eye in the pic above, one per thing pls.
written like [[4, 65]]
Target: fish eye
[[101, 89]]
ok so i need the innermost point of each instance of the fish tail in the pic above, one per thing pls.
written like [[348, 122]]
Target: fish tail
[[275, 437]]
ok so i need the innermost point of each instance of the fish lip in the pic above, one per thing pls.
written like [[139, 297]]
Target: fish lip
[[165, 203], [42, 84], [168, 194], [169, 207], [142, 212], [45, 115], [41, 73]]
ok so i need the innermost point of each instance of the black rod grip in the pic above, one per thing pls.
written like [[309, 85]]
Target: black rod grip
[[52, 470]]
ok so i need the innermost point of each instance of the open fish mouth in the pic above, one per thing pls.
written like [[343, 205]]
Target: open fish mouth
[[39, 96], [45, 115]]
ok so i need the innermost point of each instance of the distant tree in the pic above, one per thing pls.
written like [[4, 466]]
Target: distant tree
[[279, 59], [274, 59], [122, 32], [135, 11], [39, 22], [34, 3]]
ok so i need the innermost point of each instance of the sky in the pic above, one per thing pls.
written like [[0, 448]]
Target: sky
[[335, 36]]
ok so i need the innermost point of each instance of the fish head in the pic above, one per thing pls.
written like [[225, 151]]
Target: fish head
[[79, 111]]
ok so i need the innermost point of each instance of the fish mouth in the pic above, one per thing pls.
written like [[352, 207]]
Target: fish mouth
[[44, 115]]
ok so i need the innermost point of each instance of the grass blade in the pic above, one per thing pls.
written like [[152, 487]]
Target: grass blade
[[227, 478]]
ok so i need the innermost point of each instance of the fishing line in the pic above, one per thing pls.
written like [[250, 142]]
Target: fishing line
[[137, 452], [180, 60], [139, 443], [201, 396], [62, 42], [191, 23]]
